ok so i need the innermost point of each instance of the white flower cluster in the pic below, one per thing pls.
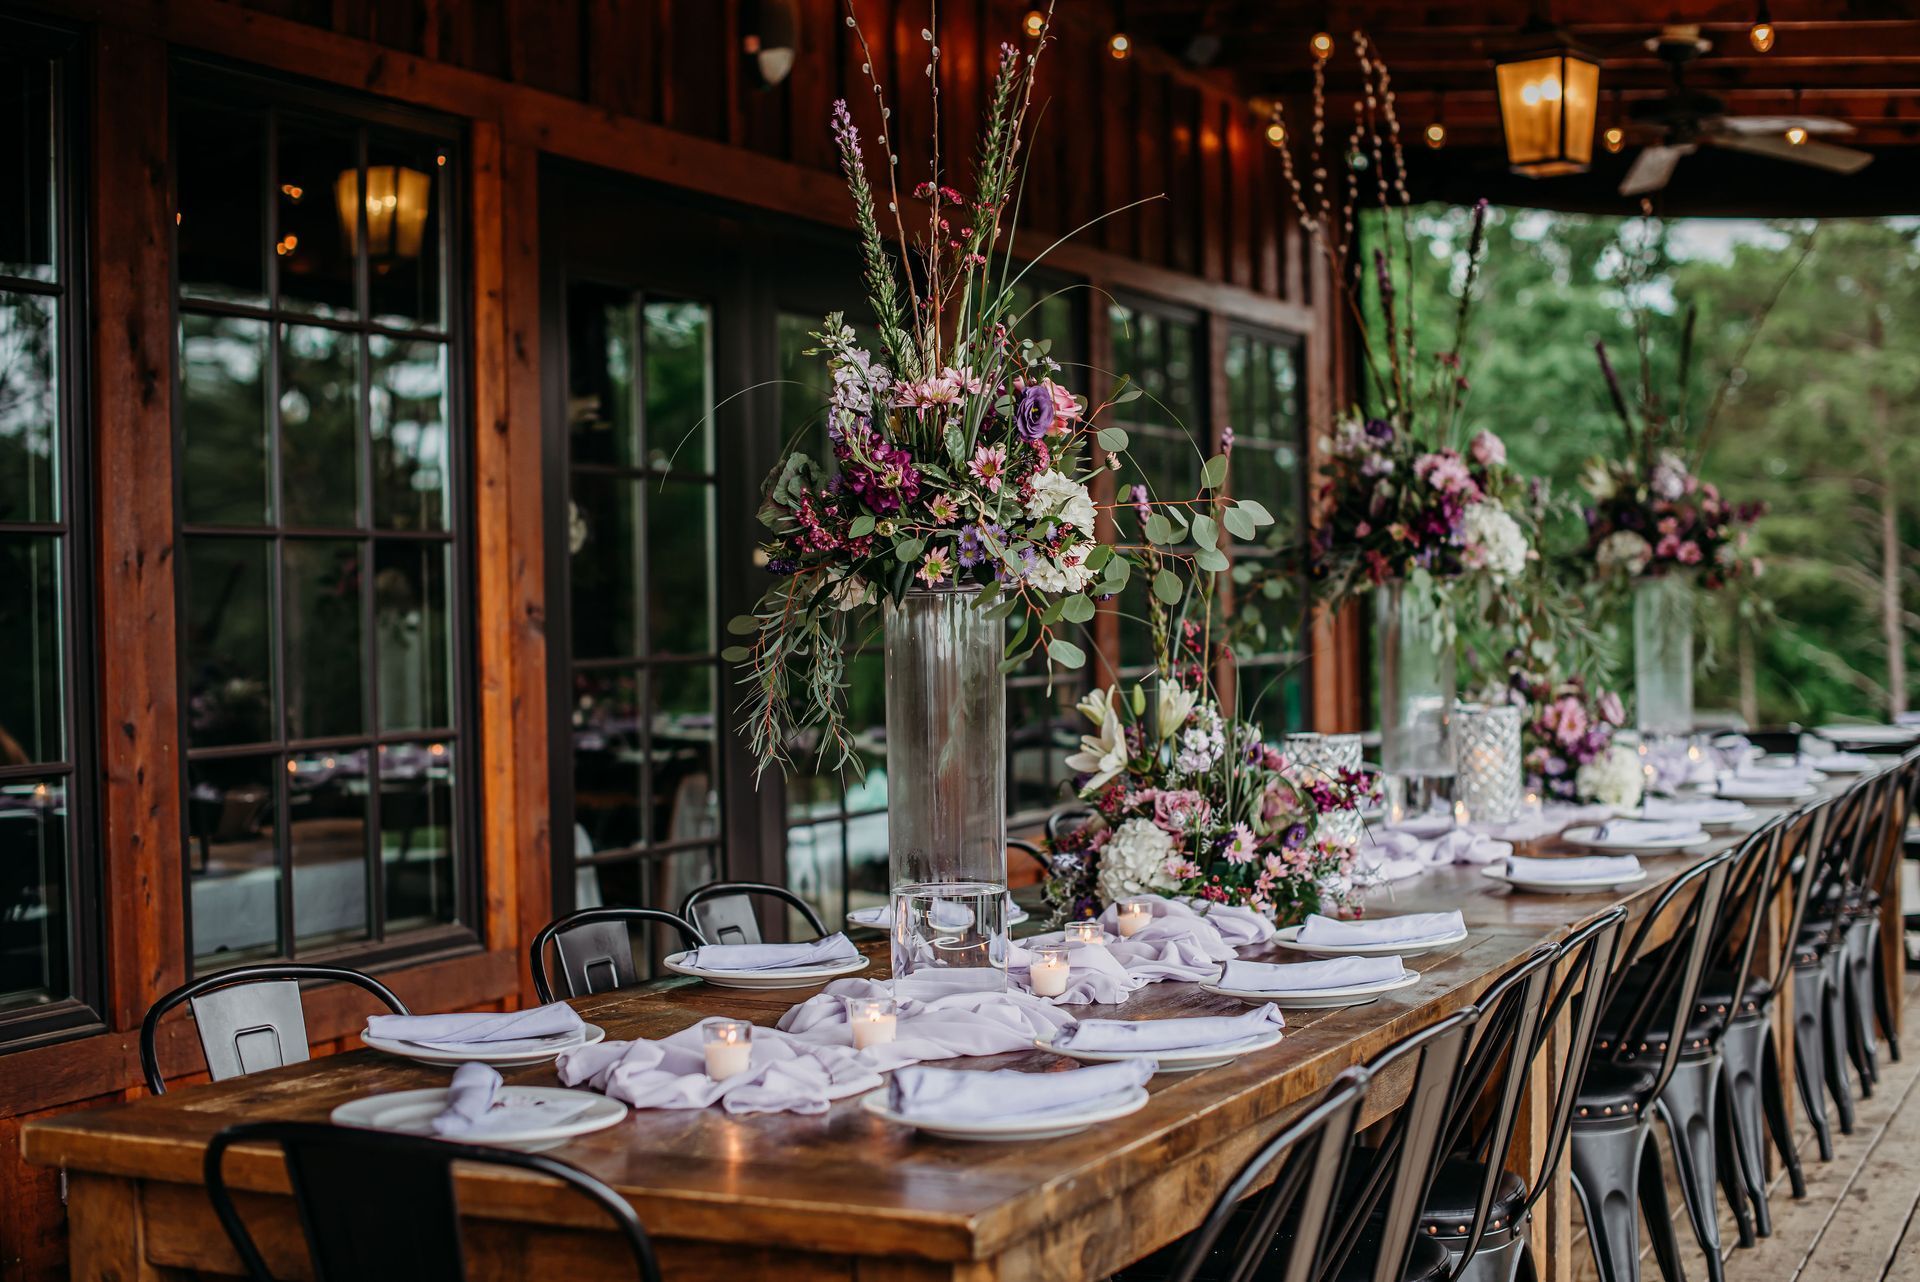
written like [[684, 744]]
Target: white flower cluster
[[1059, 496], [1613, 779], [1134, 861], [1670, 477], [1201, 743], [1494, 541], [1061, 574], [1623, 551]]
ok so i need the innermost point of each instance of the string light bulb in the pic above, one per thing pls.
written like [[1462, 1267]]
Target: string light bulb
[[1761, 34], [1035, 23], [1796, 135], [1436, 135], [1276, 133], [1615, 138], [1119, 46], [1322, 45]]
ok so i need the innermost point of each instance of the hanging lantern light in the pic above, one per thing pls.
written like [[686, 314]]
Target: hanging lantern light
[[769, 33], [1548, 100], [397, 202], [1761, 34]]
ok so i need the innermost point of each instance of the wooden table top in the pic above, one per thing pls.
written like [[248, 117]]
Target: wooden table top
[[845, 1180]]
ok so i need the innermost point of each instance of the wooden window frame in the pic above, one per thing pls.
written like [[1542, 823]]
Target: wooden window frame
[[250, 87]]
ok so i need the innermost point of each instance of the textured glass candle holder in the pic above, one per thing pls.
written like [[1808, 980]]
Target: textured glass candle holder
[[1487, 737], [1324, 756]]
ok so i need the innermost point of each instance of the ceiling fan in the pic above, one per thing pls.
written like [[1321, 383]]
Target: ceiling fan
[[1685, 120]]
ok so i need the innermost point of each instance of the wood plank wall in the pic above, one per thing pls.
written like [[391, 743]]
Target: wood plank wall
[[653, 88]]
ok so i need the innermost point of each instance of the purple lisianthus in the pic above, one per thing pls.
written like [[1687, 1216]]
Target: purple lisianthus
[[889, 483], [971, 550], [1034, 413]]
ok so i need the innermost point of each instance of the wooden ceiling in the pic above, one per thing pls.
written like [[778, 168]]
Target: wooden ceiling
[[1854, 60]]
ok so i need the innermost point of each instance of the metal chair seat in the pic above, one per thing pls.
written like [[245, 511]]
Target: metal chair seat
[[1427, 1262], [1614, 1090], [1454, 1195]]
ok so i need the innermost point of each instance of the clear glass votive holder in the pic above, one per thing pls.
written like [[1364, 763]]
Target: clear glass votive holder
[[1048, 974], [1134, 916], [874, 1021], [728, 1046], [1085, 932]]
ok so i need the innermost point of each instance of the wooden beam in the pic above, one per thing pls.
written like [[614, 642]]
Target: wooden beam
[[132, 407]]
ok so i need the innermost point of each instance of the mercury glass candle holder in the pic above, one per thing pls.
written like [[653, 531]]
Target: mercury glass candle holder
[[1325, 756], [1488, 785]]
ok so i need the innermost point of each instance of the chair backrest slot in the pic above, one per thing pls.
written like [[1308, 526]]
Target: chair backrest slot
[[594, 948]]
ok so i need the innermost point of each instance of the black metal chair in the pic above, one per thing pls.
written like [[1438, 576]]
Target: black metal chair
[[595, 949], [1067, 816], [1694, 1105], [1864, 987], [1479, 1209], [1372, 1236], [1307, 1160], [380, 1207], [249, 1018], [1613, 1113], [1032, 852], [726, 912]]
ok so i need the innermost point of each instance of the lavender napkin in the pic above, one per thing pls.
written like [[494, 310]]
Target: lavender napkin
[[476, 1107], [1579, 868], [1393, 852], [1304, 977], [1628, 831], [514, 1031], [957, 1095], [820, 952], [1840, 763], [1188, 1033], [1174, 920], [1408, 928], [1553, 819], [785, 1075], [1758, 788], [944, 1028]]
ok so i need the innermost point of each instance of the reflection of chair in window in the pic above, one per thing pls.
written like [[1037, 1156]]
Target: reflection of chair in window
[[226, 818], [694, 813]]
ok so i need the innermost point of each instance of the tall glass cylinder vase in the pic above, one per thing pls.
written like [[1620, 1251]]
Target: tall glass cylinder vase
[[946, 793], [1415, 639], [1663, 654]]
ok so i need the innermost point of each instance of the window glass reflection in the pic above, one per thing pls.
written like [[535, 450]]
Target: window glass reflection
[[327, 830], [229, 641], [319, 426], [323, 644], [412, 640], [314, 249], [223, 415], [232, 858], [412, 470], [34, 911], [417, 833], [221, 233], [32, 708], [29, 407], [406, 247]]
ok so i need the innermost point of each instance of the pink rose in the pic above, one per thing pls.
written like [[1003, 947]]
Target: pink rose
[[1488, 449], [1689, 553], [1611, 709], [1065, 404]]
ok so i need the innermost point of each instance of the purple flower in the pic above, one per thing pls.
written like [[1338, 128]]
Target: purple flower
[[1380, 431], [1033, 414], [1226, 439], [971, 550], [890, 482]]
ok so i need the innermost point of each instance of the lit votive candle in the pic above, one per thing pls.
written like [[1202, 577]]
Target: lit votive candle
[[1085, 932], [1532, 807], [728, 1044], [874, 1021], [1461, 815], [1049, 971], [1134, 916]]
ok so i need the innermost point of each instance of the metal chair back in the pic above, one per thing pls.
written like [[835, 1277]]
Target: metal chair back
[[1307, 1162], [1801, 863], [595, 949], [380, 1207], [1394, 1193], [727, 912], [249, 1018], [1673, 987]]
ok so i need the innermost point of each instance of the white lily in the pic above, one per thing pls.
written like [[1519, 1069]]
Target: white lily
[[1094, 706], [1175, 706], [1102, 755]]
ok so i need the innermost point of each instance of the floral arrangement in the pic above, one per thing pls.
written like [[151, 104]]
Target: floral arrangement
[[1189, 802], [1652, 515], [1567, 741], [958, 460]]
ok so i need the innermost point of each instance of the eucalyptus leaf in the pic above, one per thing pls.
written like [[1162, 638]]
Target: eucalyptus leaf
[[1212, 560], [909, 549], [1130, 394], [1256, 511], [1112, 439], [1066, 653], [1214, 474], [736, 654], [743, 625], [1077, 608], [1166, 586], [1159, 529], [1119, 570], [1101, 554], [1238, 523], [1205, 531], [861, 527]]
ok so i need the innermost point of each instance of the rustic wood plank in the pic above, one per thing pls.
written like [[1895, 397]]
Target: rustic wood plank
[[132, 407]]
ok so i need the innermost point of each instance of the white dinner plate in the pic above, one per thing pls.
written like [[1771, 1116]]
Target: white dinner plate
[[796, 977], [1739, 813], [420, 1053], [1041, 1126], [1189, 1060], [1832, 767], [1585, 836], [1868, 734], [1767, 794], [412, 1113], [1290, 939], [1564, 885], [1318, 998]]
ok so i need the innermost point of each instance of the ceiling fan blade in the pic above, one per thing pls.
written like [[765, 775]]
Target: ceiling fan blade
[[1651, 170], [1821, 155], [1825, 125]]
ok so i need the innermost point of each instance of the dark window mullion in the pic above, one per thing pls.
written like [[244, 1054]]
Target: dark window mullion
[[375, 855], [643, 611]]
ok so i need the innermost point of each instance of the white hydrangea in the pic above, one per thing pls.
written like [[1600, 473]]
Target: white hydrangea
[[1058, 495], [1134, 861], [1670, 477], [1614, 778], [1065, 573], [1625, 551], [1494, 540]]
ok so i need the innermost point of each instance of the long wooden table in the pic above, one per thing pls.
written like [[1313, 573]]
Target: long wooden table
[[841, 1195]]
